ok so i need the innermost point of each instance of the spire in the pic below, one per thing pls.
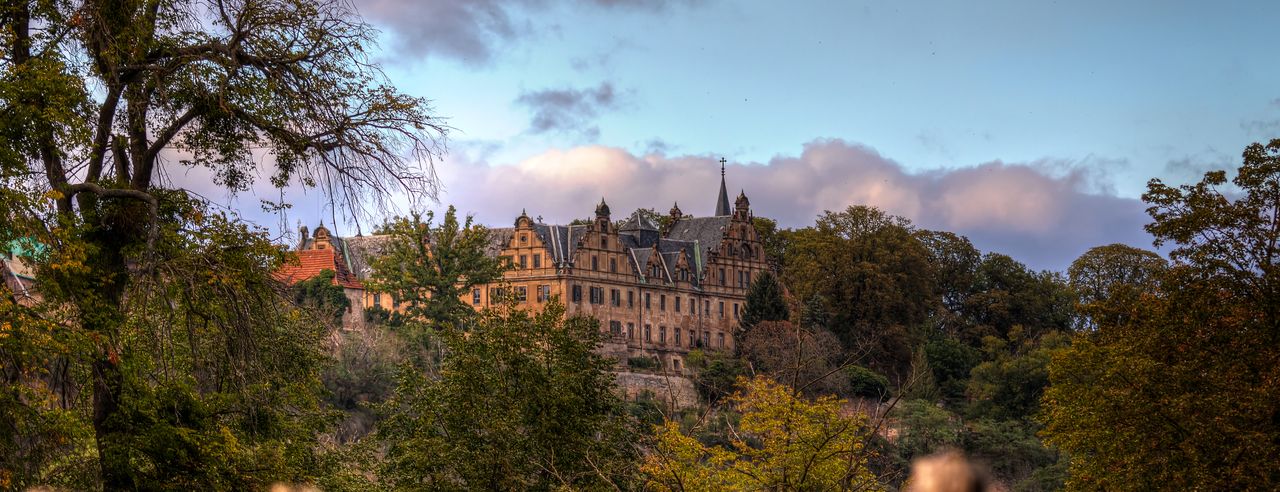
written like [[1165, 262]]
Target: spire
[[722, 203]]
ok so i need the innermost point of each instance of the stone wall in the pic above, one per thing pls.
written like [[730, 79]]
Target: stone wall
[[677, 390]]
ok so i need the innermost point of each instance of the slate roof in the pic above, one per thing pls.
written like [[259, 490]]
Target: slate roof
[[359, 250], [705, 231]]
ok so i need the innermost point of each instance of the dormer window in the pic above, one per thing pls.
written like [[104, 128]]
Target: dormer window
[[604, 242]]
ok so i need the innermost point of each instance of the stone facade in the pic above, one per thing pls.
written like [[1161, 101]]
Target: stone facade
[[658, 292]]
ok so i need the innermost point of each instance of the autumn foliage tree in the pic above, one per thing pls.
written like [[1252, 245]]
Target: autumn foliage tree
[[782, 442], [1182, 387]]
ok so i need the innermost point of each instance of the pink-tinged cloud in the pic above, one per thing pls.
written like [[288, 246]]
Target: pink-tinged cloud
[[1044, 213]]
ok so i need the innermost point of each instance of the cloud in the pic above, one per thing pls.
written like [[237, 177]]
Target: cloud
[[1045, 213], [471, 31], [569, 110]]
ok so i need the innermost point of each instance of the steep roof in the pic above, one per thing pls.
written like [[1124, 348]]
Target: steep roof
[[705, 231], [313, 261], [359, 250], [722, 203]]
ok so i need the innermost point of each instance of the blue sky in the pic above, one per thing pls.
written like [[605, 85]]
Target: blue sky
[[955, 99]]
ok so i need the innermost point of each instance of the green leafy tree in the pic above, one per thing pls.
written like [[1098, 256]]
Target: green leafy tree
[[96, 94], [926, 428], [955, 264], [717, 373], [1009, 384], [1183, 389], [429, 267], [874, 277], [1108, 279], [320, 293], [1010, 295], [764, 302], [522, 402]]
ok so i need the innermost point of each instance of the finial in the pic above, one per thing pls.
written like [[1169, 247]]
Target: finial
[[722, 167]]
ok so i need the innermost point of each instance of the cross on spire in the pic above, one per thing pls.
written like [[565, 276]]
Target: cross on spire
[[722, 167]]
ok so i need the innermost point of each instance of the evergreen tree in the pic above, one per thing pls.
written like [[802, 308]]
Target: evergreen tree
[[764, 302]]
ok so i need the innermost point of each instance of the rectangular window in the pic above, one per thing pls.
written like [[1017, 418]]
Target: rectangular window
[[615, 328], [720, 340], [721, 276], [544, 293], [693, 338], [677, 304], [475, 296], [706, 339], [577, 293], [721, 309], [631, 331], [631, 298], [537, 260], [522, 293], [735, 310], [647, 304], [662, 302], [662, 335], [495, 294], [595, 263], [706, 308], [676, 332], [693, 306], [524, 262], [648, 337], [597, 295], [613, 265], [675, 363], [604, 242]]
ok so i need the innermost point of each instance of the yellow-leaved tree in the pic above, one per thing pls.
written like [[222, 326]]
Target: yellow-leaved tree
[[782, 442]]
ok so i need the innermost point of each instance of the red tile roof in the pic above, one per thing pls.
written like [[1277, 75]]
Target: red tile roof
[[311, 262]]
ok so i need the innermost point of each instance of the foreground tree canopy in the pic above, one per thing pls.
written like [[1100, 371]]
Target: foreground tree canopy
[[161, 303], [1179, 384]]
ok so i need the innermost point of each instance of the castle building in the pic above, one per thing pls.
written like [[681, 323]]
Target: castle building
[[658, 291]]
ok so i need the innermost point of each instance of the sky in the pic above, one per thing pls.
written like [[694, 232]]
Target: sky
[[1030, 127]]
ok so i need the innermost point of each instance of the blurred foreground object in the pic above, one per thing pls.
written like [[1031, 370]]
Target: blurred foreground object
[[946, 472]]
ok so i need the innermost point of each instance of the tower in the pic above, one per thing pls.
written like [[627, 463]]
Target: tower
[[722, 203]]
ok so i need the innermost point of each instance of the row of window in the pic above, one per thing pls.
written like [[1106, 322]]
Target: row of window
[[522, 262], [521, 293], [615, 328], [596, 296]]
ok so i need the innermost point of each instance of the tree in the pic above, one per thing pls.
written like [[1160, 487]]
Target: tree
[[1107, 279], [783, 442], [1010, 296], [874, 277], [764, 302], [1183, 388], [808, 360], [955, 263], [429, 268], [98, 96], [522, 402]]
